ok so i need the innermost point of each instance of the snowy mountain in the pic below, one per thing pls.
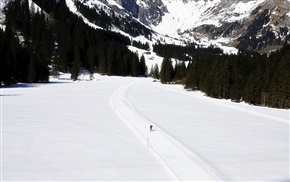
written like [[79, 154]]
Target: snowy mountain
[[246, 24]]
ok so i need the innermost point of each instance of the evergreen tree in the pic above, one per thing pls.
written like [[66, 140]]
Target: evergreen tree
[[190, 82], [27, 19], [166, 71], [76, 64], [253, 90], [2, 58], [32, 71], [156, 71], [111, 59], [102, 66], [91, 59], [179, 72], [142, 67], [280, 87], [134, 65]]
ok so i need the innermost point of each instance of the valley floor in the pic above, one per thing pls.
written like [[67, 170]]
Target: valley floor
[[99, 130]]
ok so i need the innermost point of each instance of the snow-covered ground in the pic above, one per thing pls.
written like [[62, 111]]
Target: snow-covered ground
[[99, 130]]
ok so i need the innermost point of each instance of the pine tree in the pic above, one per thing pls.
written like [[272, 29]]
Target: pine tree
[[166, 71], [134, 61], [111, 58], [156, 71], [142, 66], [179, 72], [32, 71], [280, 92], [76, 64], [2, 57], [253, 89], [102, 66], [91, 59], [27, 19], [190, 82]]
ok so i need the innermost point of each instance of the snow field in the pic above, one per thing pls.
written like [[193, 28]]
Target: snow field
[[99, 130], [184, 166], [68, 131], [237, 141]]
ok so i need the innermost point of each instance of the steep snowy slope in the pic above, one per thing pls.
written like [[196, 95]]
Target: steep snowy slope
[[249, 24], [264, 22], [184, 16]]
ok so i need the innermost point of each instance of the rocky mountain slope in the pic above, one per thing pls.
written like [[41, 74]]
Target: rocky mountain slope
[[245, 24]]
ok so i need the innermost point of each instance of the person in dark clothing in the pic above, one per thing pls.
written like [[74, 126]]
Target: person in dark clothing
[[151, 127]]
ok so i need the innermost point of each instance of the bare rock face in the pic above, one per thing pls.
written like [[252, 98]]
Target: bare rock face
[[151, 11], [267, 26], [131, 6]]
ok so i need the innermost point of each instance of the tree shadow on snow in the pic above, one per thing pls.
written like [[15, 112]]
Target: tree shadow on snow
[[9, 95], [19, 85]]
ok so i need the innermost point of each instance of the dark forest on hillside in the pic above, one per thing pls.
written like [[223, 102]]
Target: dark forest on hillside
[[34, 41], [252, 77]]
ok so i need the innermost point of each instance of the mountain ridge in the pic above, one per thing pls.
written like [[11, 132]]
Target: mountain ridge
[[231, 23], [258, 25]]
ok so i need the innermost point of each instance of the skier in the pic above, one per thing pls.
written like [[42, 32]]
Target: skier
[[151, 127]]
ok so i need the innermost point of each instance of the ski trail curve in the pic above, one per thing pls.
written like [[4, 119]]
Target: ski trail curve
[[182, 163]]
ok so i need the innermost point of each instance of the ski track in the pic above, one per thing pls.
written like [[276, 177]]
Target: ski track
[[180, 161]]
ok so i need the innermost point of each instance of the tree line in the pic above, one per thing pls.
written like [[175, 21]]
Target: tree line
[[36, 44], [184, 52], [255, 78]]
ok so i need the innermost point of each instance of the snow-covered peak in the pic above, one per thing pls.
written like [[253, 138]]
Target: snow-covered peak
[[185, 15], [219, 22]]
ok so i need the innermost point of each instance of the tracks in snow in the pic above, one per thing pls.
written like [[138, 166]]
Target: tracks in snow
[[182, 163]]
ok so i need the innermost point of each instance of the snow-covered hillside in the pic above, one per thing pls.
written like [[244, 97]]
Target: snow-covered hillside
[[218, 22], [183, 16], [99, 130]]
